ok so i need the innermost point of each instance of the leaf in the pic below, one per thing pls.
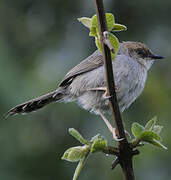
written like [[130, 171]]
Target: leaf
[[74, 154], [93, 32], [77, 136], [109, 19], [137, 129], [79, 167], [158, 143], [94, 21], [150, 124], [85, 21], [115, 44], [119, 27], [95, 25], [157, 129], [149, 135], [99, 143]]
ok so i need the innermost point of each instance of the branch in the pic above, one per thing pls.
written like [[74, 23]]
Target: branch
[[111, 150], [109, 72], [125, 150]]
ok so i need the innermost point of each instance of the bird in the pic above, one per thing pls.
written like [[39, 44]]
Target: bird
[[86, 82]]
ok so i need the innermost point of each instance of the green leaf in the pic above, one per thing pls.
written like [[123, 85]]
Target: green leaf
[[94, 21], [79, 167], [77, 136], [93, 32], [74, 154], [137, 129], [157, 129], [109, 19], [85, 21], [99, 143], [119, 27], [115, 44], [148, 136], [158, 143], [95, 25], [150, 124]]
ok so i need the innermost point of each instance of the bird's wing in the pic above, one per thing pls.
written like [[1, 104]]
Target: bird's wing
[[92, 62]]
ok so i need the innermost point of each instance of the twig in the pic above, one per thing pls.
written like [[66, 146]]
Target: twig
[[111, 150], [115, 163], [109, 71], [125, 150]]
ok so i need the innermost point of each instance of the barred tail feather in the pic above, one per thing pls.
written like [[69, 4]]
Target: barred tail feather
[[35, 104]]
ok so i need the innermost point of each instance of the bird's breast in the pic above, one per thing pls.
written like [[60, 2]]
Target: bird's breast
[[130, 83]]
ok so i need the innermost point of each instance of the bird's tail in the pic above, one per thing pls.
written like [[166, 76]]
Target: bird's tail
[[37, 103]]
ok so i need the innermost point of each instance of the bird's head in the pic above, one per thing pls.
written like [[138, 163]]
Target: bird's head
[[140, 52]]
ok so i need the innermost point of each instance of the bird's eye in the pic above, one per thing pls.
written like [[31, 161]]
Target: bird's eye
[[142, 53]]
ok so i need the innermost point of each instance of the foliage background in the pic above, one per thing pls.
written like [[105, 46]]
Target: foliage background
[[39, 42]]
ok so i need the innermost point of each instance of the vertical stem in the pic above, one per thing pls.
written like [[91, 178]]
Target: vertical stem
[[125, 151], [109, 71], [127, 169]]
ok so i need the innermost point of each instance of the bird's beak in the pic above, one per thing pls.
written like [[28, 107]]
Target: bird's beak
[[154, 56]]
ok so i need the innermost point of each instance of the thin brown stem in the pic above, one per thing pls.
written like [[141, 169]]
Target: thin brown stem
[[111, 150], [109, 72], [125, 150]]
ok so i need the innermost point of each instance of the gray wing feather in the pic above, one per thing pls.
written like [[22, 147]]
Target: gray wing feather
[[92, 62]]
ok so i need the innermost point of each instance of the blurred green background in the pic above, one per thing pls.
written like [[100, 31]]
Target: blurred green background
[[40, 40]]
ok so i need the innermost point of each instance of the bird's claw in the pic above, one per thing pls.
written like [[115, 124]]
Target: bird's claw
[[106, 94], [115, 136]]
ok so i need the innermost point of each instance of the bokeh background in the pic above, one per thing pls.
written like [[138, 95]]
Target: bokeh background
[[40, 40]]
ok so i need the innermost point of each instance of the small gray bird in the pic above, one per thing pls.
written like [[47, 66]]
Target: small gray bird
[[86, 82]]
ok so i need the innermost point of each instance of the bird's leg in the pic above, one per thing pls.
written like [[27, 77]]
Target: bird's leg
[[111, 129], [106, 122], [106, 94], [97, 89]]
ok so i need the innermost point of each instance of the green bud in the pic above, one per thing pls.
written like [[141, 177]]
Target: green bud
[[77, 136], [74, 154], [98, 144]]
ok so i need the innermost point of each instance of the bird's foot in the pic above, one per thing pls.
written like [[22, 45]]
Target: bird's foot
[[106, 94], [111, 129], [115, 136]]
